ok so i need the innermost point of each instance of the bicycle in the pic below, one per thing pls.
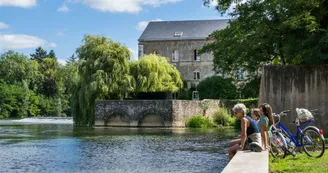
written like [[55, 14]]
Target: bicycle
[[311, 143], [278, 144]]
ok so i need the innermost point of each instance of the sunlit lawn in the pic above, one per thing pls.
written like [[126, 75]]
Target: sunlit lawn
[[300, 163]]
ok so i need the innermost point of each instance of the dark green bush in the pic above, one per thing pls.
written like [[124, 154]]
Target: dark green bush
[[251, 89], [217, 87], [249, 103], [199, 121]]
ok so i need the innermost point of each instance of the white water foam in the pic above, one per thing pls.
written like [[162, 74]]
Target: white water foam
[[45, 120]]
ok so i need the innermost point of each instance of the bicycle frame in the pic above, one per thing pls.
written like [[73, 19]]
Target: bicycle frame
[[299, 131]]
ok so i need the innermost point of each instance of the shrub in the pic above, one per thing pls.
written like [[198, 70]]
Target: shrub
[[223, 118], [199, 121], [251, 88], [217, 87]]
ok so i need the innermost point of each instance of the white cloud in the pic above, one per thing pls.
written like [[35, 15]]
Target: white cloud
[[213, 3], [63, 9], [20, 41], [62, 62], [129, 6], [3, 25], [143, 24], [18, 3]]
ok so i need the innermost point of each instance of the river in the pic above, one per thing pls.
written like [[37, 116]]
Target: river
[[55, 145]]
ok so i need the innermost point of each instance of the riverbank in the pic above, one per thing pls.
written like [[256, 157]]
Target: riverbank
[[300, 163]]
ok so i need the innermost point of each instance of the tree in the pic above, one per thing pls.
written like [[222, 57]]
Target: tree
[[104, 73], [39, 54], [16, 68], [292, 31], [72, 59], [217, 87], [52, 54], [153, 73], [49, 83]]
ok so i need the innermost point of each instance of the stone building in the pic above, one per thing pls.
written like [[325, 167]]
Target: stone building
[[179, 42]]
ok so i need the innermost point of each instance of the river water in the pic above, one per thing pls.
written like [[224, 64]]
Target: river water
[[55, 145]]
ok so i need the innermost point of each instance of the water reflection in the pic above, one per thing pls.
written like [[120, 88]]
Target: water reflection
[[65, 148]]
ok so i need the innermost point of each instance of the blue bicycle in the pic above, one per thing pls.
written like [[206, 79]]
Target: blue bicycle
[[309, 137]]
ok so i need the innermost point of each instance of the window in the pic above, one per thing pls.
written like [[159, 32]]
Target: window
[[140, 51], [177, 34], [196, 56], [175, 56], [196, 74], [240, 74]]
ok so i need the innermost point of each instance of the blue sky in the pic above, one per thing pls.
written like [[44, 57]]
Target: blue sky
[[61, 24]]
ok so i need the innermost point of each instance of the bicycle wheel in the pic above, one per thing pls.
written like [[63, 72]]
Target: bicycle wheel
[[314, 144], [278, 145]]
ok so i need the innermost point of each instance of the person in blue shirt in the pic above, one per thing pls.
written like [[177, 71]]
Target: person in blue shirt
[[249, 129]]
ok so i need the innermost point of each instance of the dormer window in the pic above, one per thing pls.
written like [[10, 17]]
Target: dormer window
[[178, 34]]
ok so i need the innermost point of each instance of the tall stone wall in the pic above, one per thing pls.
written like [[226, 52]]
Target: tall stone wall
[[291, 87]]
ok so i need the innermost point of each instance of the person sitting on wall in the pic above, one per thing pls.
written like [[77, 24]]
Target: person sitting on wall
[[249, 130], [265, 124], [255, 114]]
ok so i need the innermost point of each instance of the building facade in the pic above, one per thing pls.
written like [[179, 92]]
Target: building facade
[[179, 42]]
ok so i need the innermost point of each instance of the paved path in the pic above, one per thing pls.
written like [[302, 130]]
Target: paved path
[[248, 162]]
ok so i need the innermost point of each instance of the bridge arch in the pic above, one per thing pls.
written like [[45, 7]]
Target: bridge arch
[[117, 117], [151, 118]]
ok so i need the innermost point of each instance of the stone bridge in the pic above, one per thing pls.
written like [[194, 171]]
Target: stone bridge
[[149, 113]]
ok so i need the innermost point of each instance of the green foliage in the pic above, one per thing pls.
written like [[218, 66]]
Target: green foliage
[[12, 98], [33, 88], [52, 54], [293, 31], [104, 73], [204, 105], [301, 163], [153, 73], [39, 54], [185, 93], [72, 59], [199, 121], [217, 87], [48, 83], [223, 118], [251, 89], [249, 103]]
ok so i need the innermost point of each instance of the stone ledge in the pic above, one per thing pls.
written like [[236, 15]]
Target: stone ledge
[[248, 162]]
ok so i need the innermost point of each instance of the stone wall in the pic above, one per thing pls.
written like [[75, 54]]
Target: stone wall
[[184, 109], [291, 87], [186, 64], [173, 113]]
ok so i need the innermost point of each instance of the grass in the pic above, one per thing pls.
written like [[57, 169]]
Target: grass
[[300, 163]]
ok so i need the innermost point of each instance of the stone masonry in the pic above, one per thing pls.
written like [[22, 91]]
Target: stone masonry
[[172, 113]]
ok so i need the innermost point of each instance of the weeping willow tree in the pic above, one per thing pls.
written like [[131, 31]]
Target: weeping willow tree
[[104, 73], [153, 73]]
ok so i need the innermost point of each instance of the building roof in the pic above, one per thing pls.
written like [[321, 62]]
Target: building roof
[[181, 30]]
